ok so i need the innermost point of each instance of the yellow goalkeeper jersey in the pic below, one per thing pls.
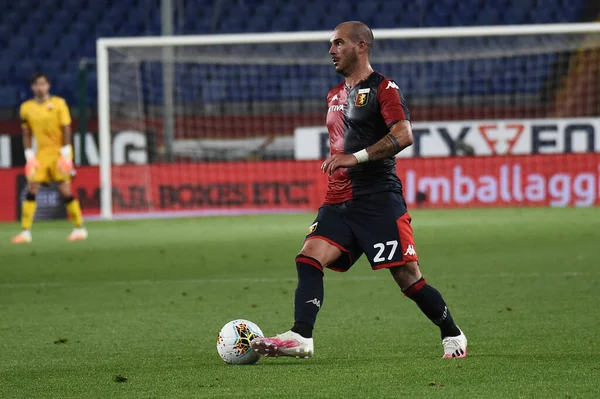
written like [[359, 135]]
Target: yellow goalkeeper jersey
[[45, 121]]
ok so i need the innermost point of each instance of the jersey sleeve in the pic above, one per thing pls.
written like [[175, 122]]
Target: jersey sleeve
[[391, 102], [23, 116], [64, 116]]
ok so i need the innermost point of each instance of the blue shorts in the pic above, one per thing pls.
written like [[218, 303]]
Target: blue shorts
[[377, 225]]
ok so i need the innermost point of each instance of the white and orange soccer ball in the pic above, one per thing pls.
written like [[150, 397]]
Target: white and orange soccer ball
[[233, 342]]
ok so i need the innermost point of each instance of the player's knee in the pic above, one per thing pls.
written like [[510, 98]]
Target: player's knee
[[321, 250], [33, 189], [65, 191], [315, 254], [407, 274]]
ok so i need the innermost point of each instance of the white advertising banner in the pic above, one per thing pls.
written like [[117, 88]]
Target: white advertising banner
[[485, 137]]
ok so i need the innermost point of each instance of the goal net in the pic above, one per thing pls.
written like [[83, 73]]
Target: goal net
[[236, 123]]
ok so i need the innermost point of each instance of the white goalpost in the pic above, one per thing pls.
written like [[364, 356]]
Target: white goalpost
[[235, 101]]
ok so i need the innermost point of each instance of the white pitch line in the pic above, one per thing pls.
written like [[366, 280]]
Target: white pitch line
[[242, 280], [184, 281]]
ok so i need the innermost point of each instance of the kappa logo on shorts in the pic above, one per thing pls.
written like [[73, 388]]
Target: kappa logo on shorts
[[312, 228], [410, 251]]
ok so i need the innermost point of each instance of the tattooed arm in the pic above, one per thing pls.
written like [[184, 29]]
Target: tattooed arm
[[399, 137]]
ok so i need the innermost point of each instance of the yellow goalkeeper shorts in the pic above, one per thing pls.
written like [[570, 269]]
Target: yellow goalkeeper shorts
[[48, 170]]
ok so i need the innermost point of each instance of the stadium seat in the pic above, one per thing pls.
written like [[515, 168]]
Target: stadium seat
[[55, 35], [42, 47], [18, 48], [515, 15], [486, 17], [88, 49], [9, 96], [105, 29], [75, 4], [12, 17], [18, 43], [5, 34], [28, 30], [364, 8], [26, 70], [64, 53], [88, 16], [6, 72], [66, 86], [386, 20], [65, 14], [52, 68], [23, 6], [50, 34], [37, 18], [114, 16], [283, 22], [70, 41], [80, 28], [294, 88]]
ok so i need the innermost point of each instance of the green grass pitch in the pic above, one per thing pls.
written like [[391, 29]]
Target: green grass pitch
[[134, 311]]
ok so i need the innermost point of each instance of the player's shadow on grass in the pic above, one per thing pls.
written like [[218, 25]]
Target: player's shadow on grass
[[288, 362], [539, 356]]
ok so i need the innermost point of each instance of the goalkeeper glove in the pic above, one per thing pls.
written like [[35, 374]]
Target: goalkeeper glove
[[65, 163], [31, 164]]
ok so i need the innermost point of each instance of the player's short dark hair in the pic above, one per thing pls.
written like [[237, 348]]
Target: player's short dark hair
[[359, 31], [38, 75]]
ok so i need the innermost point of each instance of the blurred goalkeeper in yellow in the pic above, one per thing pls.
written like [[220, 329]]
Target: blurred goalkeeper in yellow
[[47, 118]]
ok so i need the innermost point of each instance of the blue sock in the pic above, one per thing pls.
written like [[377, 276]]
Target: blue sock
[[431, 303], [309, 295]]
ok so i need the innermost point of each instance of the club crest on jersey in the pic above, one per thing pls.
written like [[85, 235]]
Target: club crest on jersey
[[312, 228], [362, 98]]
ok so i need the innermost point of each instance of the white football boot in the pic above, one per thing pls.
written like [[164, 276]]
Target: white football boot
[[23, 237], [288, 343], [455, 347], [78, 234]]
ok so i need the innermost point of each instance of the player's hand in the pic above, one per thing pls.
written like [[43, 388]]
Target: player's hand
[[65, 163], [31, 164], [31, 167], [337, 161]]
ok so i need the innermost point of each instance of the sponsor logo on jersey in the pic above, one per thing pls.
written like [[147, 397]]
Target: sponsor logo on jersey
[[336, 108], [334, 98], [410, 250], [312, 228]]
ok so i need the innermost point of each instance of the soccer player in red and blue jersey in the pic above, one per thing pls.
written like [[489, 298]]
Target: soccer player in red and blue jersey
[[364, 210]]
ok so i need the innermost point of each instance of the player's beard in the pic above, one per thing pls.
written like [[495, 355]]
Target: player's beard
[[348, 64]]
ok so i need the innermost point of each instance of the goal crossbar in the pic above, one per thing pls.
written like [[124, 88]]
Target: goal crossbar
[[104, 44], [312, 36]]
